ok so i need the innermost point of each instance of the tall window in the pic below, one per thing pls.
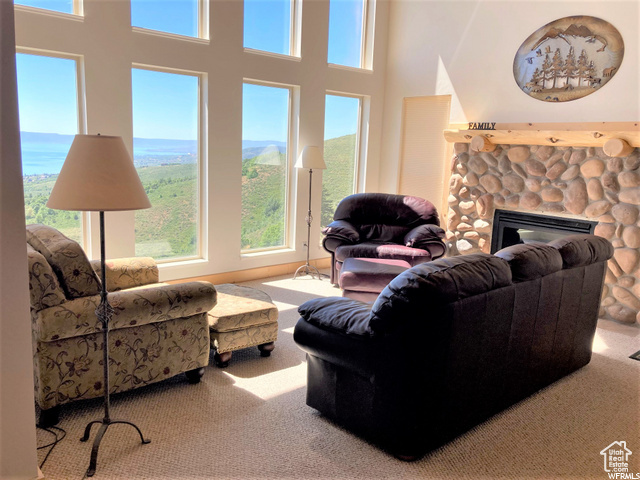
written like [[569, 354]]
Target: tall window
[[268, 25], [172, 16], [265, 134], [341, 128], [64, 6], [48, 103], [346, 32], [166, 155]]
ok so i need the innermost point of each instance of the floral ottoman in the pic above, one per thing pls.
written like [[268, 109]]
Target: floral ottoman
[[243, 317]]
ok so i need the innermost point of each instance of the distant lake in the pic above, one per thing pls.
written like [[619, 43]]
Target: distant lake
[[44, 153]]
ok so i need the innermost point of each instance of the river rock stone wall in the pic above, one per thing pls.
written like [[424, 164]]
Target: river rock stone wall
[[566, 181]]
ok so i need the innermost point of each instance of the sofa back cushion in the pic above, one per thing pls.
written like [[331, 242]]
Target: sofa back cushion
[[67, 260], [581, 250], [385, 217], [44, 288], [531, 261], [430, 286]]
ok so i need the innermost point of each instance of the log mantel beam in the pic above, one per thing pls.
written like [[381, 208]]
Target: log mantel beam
[[587, 134]]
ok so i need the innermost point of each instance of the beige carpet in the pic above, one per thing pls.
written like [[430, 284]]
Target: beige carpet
[[250, 421]]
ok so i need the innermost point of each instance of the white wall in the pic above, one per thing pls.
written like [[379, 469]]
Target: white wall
[[109, 47], [17, 412], [466, 48]]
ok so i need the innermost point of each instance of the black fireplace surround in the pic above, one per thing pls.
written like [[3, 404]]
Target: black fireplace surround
[[510, 228]]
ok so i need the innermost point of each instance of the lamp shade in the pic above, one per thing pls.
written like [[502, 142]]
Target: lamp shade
[[311, 157], [98, 175]]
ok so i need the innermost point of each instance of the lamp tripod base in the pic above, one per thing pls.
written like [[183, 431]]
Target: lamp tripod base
[[104, 424], [307, 269]]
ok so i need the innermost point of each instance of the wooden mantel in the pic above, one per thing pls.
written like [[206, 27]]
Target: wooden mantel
[[587, 134]]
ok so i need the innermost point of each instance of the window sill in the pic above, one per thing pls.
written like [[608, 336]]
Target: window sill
[[350, 69], [174, 36], [50, 13], [261, 253], [264, 53], [168, 264]]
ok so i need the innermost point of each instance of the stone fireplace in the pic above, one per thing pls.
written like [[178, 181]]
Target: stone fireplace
[[567, 181]]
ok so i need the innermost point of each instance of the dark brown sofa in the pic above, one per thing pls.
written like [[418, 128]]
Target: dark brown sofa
[[381, 225], [451, 342]]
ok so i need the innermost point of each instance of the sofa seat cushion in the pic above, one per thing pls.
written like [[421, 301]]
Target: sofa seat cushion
[[369, 274], [240, 307], [386, 250], [67, 259]]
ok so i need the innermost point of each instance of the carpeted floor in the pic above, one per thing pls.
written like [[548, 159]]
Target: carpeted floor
[[250, 421]]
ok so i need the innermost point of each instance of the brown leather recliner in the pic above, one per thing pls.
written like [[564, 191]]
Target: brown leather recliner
[[381, 225], [449, 343]]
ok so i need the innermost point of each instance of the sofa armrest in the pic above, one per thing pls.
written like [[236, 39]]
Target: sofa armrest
[[122, 273], [339, 232], [427, 237], [338, 314], [336, 330], [141, 306]]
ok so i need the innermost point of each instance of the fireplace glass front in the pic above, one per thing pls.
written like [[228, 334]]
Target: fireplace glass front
[[511, 228]]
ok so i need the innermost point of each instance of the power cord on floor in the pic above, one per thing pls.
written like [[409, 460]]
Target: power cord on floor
[[53, 431]]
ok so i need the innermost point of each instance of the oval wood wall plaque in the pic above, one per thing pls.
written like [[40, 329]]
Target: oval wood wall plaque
[[568, 58]]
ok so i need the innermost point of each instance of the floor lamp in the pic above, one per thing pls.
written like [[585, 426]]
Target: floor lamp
[[98, 175], [310, 158]]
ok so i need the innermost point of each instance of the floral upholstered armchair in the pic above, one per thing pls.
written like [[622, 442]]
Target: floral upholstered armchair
[[157, 330]]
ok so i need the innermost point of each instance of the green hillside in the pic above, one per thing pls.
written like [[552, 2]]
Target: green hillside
[[168, 229], [338, 178], [37, 189], [263, 201]]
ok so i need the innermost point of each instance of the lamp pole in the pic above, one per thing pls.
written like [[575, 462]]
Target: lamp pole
[[104, 313], [308, 269]]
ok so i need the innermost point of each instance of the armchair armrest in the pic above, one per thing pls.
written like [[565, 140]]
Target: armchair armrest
[[340, 231], [427, 237], [338, 314], [122, 273], [131, 308]]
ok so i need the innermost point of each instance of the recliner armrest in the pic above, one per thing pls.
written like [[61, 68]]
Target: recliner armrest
[[427, 237], [341, 232]]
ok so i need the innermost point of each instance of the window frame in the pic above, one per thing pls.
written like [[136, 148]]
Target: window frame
[[202, 25], [85, 217], [78, 9], [289, 221], [202, 167], [367, 39], [295, 35], [358, 174]]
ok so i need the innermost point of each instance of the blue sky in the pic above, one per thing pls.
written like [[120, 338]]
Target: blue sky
[[50, 106]]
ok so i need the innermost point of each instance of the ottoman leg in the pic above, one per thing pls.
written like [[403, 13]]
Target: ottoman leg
[[222, 359], [266, 349], [194, 376]]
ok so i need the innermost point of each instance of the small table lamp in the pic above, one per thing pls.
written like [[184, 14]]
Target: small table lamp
[[310, 158], [98, 175]]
